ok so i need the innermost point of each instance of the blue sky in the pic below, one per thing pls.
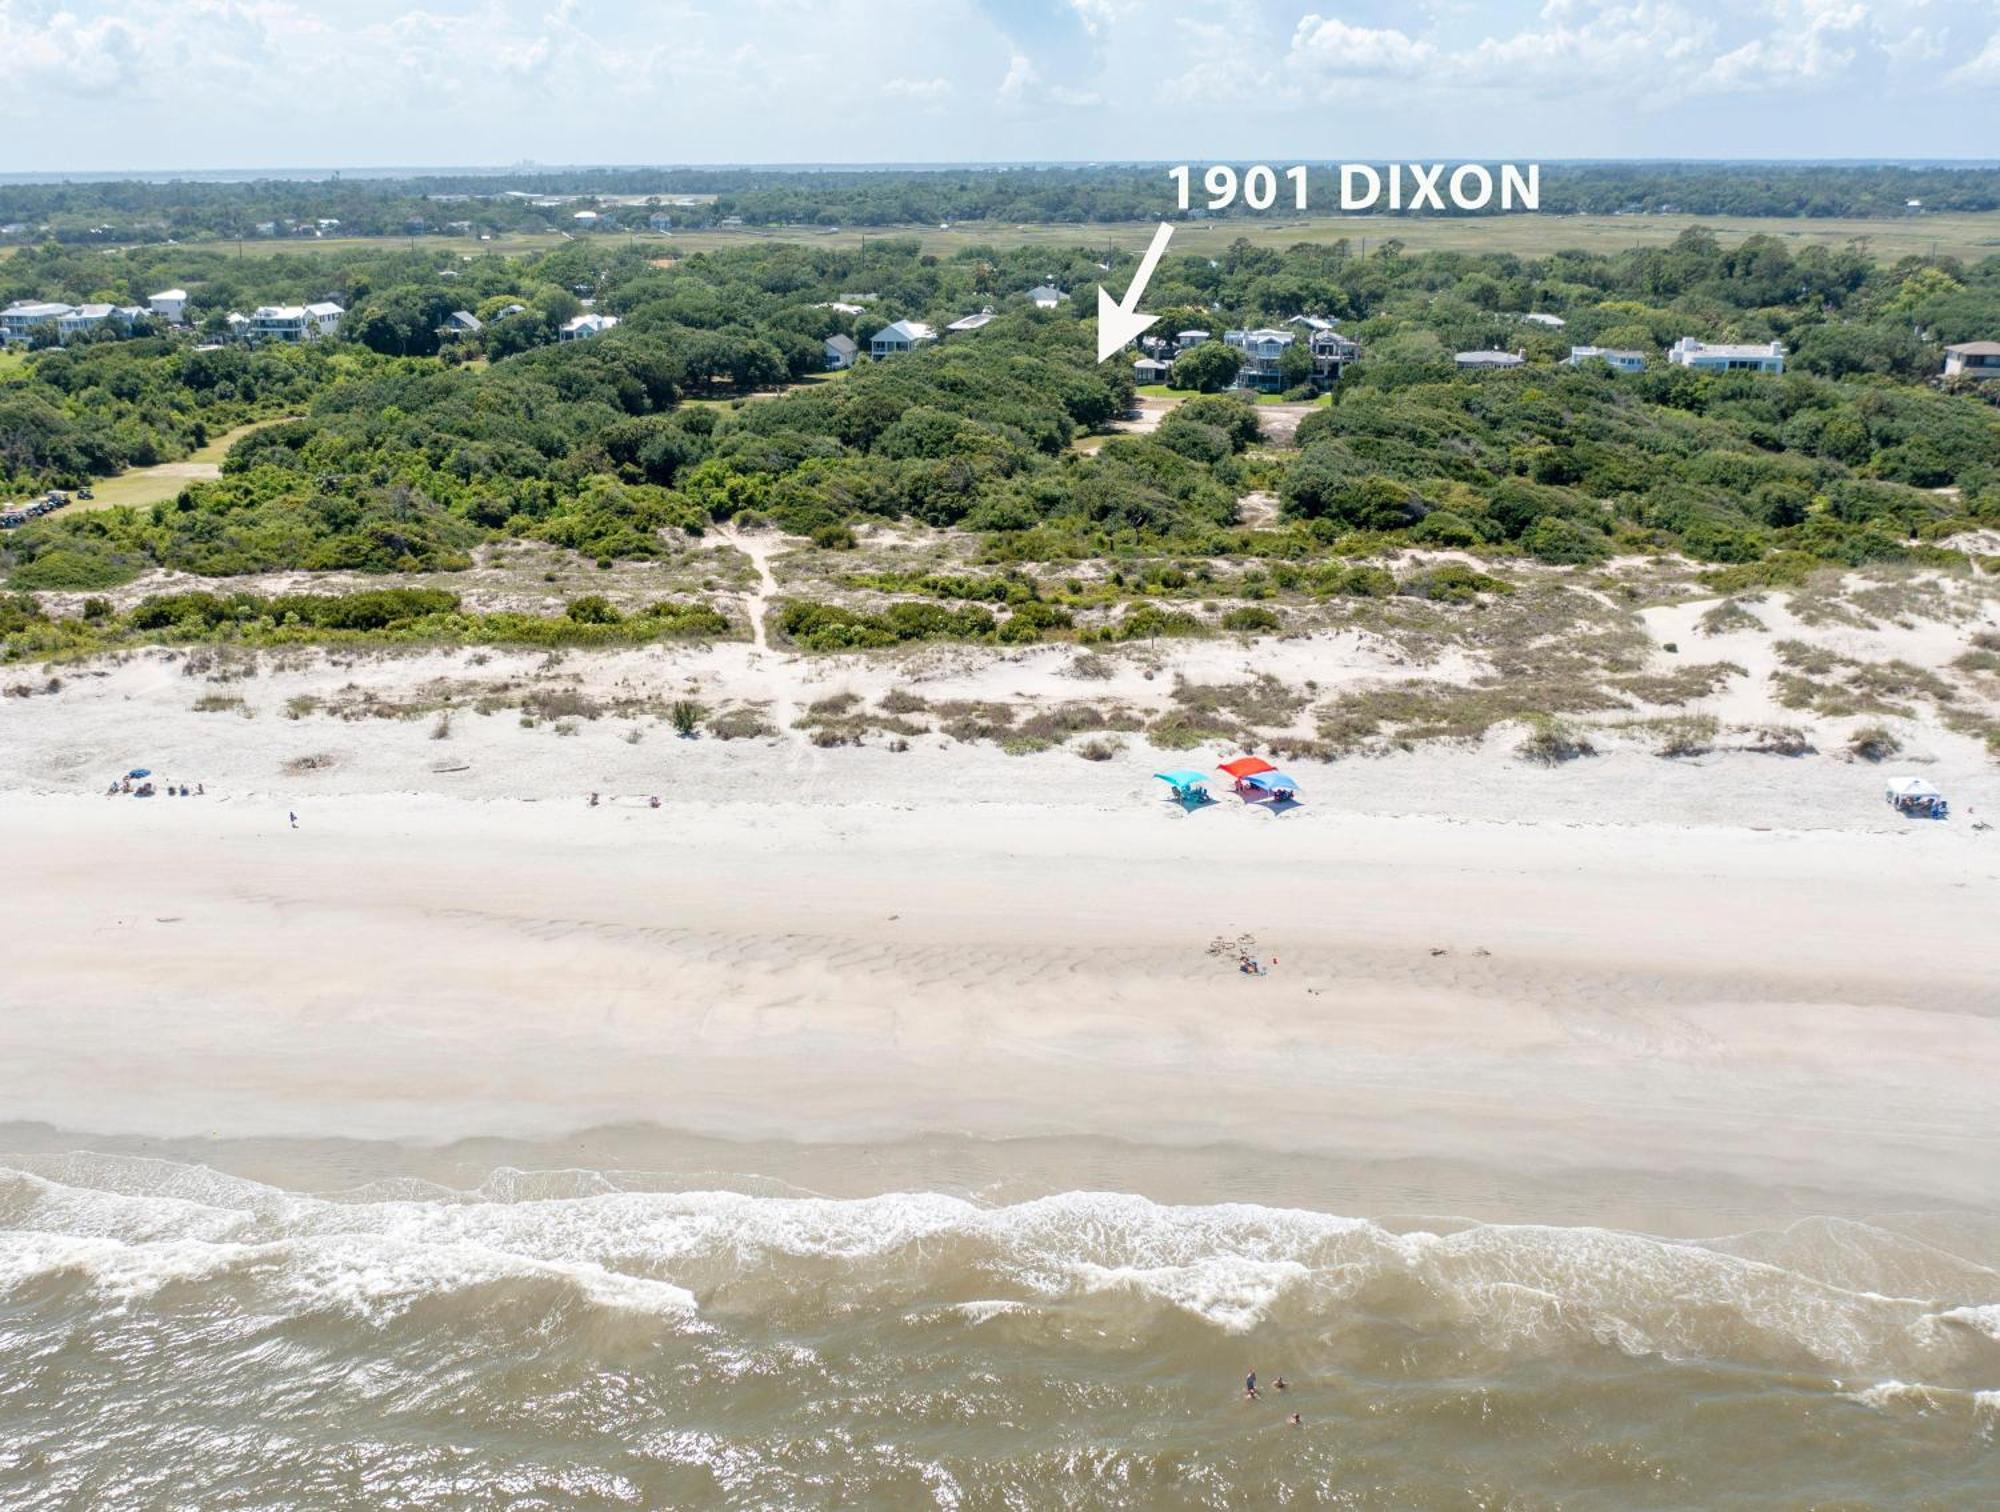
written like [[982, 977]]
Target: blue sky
[[162, 84]]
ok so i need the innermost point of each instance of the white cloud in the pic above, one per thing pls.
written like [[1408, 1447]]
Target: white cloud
[[1982, 70], [1020, 74], [1814, 42], [1593, 46], [1327, 47], [267, 82]]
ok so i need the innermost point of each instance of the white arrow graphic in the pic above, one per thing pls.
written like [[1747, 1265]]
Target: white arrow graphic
[[1118, 321]]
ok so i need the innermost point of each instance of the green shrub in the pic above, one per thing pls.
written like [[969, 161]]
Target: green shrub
[[1551, 741], [1874, 743], [1251, 617]]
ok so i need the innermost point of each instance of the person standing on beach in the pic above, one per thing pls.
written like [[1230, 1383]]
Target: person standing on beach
[[293, 817]]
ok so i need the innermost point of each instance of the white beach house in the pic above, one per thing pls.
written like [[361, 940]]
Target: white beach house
[[583, 327], [1767, 357], [901, 336], [1617, 359]]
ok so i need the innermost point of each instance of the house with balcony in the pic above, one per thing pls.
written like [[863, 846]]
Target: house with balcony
[[1619, 361], [1262, 350], [1331, 353], [1764, 357], [170, 305], [21, 320], [293, 323], [1972, 359]]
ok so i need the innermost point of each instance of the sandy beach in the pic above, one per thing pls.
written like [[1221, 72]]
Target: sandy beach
[[1787, 1008]]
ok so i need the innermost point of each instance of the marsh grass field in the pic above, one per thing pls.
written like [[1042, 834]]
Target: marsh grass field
[[1970, 236]]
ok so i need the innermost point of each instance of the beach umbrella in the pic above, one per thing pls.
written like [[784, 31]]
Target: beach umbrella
[[140, 772], [1274, 782], [1246, 766], [1183, 780]]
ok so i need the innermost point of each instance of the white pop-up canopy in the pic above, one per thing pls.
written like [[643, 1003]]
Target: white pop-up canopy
[[1911, 787]]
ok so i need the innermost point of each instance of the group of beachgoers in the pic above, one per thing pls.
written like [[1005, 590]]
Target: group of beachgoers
[[143, 787], [596, 801], [1252, 1394]]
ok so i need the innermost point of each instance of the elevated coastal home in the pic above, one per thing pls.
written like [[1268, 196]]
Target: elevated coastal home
[[294, 323], [170, 305], [461, 323], [1147, 370], [1769, 357], [1185, 339], [840, 352], [901, 336], [1486, 362], [1331, 353], [1046, 296], [1617, 360], [583, 327], [1972, 359], [20, 320], [89, 317], [1262, 349]]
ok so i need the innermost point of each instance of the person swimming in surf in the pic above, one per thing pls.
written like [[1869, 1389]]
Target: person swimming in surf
[[1250, 1387]]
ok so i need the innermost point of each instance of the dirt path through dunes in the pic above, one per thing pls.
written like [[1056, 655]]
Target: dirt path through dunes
[[757, 602], [774, 673]]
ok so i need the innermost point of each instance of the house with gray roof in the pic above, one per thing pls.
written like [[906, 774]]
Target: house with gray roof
[[1972, 359], [900, 336]]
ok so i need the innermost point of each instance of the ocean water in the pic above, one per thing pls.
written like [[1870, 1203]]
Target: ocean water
[[174, 1336]]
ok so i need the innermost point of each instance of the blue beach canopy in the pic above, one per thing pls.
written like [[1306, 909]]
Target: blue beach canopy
[[140, 772], [1273, 782], [1183, 779]]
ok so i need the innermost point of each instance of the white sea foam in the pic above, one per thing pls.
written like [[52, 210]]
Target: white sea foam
[[1984, 1318], [1233, 1266], [1884, 1395]]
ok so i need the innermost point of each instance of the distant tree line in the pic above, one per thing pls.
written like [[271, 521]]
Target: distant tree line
[[101, 211]]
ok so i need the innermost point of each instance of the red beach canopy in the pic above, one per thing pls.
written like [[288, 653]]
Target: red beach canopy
[[1246, 766]]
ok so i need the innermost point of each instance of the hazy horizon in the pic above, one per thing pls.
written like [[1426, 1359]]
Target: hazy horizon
[[309, 172], [236, 87]]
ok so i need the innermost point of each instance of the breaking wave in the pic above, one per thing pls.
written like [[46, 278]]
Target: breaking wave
[[1846, 1297]]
